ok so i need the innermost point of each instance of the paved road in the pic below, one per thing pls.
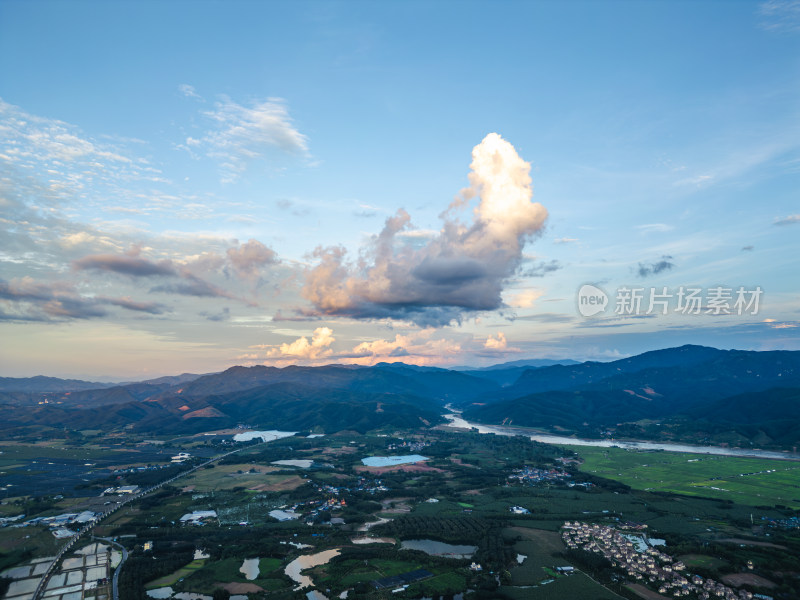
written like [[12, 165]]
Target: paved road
[[115, 586]]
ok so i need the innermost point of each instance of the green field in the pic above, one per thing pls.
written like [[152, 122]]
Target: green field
[[228, 477], [173, 578], [536, 578], [206, 578], [751, 481]]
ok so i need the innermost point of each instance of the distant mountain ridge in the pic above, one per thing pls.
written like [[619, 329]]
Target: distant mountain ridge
[[40, 383], [690, 393]]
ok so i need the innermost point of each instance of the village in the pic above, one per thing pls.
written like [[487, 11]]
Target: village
[[644, 563]]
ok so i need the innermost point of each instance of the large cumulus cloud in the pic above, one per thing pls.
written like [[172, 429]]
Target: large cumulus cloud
[[463, 268]]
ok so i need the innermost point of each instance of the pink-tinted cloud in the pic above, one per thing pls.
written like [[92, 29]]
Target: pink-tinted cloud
[[463, 268]]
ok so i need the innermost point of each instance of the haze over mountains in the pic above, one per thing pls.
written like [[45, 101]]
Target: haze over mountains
[[691, 393]]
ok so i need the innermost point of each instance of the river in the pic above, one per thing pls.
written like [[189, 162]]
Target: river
[[456, 421]]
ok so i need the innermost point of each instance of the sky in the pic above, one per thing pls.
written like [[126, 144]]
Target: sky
[[187, 186]]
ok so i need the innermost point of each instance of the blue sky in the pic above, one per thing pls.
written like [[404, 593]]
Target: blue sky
[[190, 185]]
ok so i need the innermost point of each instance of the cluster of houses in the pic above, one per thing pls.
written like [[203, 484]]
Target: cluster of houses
[[371, 486], [789, 523], [644, 563], [409, 446], [534, 476]]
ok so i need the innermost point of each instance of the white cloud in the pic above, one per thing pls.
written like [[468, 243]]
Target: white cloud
[[462, 268], [188, 91], [496, 343], [524, 299], [303, 349], [420, 348]]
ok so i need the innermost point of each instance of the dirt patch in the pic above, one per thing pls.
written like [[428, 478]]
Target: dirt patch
[[472, 493], [549, 541], [240, 588], [372, 540], [289, 483], [218, 432], [204, 413], [341, 450], [739, 579], [643, 592], [188, 488], [751, 543], [400, 506], [461, 463], [257, 468]]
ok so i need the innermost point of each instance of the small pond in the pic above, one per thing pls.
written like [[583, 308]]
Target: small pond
[[250, 568]]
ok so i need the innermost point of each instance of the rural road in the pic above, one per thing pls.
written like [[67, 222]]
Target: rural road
[[119, 566]]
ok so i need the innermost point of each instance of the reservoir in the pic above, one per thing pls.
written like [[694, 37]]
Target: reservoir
[[390, 461]]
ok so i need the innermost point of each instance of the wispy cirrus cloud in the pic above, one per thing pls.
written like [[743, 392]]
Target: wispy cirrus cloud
[[189, 91], [66, 160], [780, 15], [787, 220], [242, 134], [654, 228]]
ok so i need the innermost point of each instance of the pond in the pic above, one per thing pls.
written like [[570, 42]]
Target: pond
[[435, 548], [390, 461], [250, 568], [294, 569], [160, 593]]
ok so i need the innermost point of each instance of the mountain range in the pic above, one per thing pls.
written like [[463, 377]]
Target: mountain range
[[690, 393]]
